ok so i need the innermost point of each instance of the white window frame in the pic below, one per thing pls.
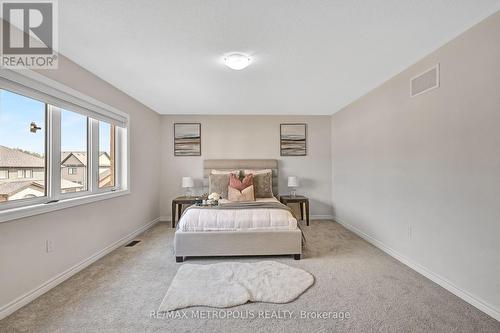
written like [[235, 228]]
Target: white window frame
[[117, 163], [57, 96], [88, 191]]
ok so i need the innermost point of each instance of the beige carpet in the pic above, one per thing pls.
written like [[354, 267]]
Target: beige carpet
[[119, 292]]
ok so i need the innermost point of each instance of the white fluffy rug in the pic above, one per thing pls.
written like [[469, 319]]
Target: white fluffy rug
[[228, 284]]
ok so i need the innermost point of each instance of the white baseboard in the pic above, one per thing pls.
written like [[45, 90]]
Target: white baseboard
[[43, 288], [446, 284], [322, 217]]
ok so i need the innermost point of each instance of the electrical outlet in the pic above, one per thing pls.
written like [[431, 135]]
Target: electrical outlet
[[49, 246], [410, 232]]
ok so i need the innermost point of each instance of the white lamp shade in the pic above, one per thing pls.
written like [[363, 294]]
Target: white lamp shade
[[187, 182], [293, 181]]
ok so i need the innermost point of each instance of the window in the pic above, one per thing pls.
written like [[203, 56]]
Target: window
[[22, 147], [57, 146], [24, 173], [74, 152], [106, 155]]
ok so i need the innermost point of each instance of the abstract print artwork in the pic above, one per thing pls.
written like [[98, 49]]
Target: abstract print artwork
[[187, 139], [293, 140]]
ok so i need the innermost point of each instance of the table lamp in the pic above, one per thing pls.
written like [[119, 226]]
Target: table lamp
[[187, 184], [293, 183]]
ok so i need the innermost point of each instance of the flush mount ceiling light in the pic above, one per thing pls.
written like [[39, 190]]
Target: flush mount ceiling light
[[237, 61]]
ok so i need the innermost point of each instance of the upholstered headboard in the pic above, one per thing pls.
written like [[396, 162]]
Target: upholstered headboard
[[208, 165]]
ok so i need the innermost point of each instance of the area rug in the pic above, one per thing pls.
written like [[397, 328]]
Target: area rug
[[229, 284]]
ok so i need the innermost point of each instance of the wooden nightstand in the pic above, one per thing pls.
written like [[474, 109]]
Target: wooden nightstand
[[301, 200], [177, 206]]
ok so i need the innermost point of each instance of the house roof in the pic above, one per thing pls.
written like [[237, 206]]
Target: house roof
[[65, 184], [104, 173], [11, 187], [79, 155], [15, 158], [104, 159]]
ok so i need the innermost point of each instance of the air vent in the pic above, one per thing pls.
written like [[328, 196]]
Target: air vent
[[424, 82], [132, 243]]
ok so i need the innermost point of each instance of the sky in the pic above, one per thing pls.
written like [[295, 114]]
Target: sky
[[16, 114]]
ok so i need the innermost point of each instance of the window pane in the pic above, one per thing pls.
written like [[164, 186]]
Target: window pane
[[106, 155], [22, 147], [73, 152]]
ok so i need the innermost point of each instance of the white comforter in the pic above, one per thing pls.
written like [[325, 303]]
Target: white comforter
[[237, 219]]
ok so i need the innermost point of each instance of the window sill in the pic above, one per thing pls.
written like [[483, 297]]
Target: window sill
[[21, 212]]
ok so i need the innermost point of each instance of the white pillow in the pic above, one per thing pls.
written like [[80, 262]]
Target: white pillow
[[225, 172], [256, 172]]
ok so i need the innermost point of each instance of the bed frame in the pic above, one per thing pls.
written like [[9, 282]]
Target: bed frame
[[239, 243]]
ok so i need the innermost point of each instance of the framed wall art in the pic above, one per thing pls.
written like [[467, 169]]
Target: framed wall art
[[187, 139]]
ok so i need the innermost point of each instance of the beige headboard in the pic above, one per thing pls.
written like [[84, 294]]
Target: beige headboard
[[208, 165]]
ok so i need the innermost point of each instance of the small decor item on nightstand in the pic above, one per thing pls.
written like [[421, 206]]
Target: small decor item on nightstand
[[187, 184], [214, 198], [293, 183]]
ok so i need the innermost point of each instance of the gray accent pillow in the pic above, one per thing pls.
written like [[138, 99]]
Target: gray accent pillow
[[263, 185], [219, 184]]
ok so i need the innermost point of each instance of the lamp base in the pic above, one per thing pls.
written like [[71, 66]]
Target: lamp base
[[293, 193]]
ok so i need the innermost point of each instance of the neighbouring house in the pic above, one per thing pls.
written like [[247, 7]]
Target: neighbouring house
[[106, 177], [13, 190], [74, 168], [22, 176], [69, 186], [20, 165]]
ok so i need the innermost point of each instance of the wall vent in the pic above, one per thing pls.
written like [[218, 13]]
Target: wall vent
[[425, 81], [132, 243]]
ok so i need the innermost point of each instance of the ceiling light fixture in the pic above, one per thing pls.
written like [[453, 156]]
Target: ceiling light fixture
[[237, 61]]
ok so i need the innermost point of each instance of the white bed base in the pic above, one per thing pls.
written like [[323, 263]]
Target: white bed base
[[237, 243]]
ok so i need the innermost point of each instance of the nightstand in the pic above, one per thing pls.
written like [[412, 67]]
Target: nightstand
[[177, 206], [301, 200]]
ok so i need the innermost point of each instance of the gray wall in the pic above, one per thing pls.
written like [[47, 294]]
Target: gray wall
[[431, 162], [79, 232], [251, 137]]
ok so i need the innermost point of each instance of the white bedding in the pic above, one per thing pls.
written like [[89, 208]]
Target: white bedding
[[237, 219]]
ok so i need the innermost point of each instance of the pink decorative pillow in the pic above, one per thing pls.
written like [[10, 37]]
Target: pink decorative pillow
[[240, 185], [237, 195]]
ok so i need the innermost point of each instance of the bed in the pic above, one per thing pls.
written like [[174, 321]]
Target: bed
[[260, 229]]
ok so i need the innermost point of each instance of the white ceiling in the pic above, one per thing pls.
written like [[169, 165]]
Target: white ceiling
[[310, 56]]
